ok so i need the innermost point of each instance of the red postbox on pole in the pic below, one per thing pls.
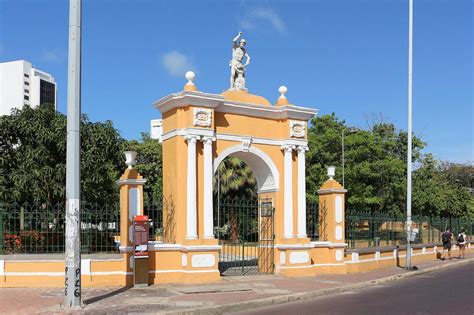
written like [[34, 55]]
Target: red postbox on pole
[[140, 255]]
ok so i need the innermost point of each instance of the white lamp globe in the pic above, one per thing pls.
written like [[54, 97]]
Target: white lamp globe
[[331, 172], [130, 158]]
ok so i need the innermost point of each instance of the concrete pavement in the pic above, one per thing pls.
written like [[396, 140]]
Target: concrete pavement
[[230, 295]]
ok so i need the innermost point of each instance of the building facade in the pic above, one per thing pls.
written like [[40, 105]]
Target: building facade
[[21, 84]]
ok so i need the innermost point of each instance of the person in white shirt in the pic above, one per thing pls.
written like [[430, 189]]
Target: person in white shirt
[[462, 241]]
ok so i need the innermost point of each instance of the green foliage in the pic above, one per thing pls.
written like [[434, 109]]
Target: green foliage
[[149, 164], [33, 157], [375, 170], [235, 179]]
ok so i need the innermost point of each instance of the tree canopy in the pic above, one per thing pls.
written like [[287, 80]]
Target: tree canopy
[[33, 165], [33, 157]]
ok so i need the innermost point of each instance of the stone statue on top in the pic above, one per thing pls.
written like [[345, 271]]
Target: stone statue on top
[[237, 69]]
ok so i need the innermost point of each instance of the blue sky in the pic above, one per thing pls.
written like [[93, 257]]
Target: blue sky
[[347, 57]]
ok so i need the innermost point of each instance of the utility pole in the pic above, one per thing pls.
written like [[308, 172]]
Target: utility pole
[[72, 290], [409, 151]]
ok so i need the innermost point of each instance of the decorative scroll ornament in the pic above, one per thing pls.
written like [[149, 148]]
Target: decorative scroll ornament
[[297, 128], [246, 142], [202, 117]]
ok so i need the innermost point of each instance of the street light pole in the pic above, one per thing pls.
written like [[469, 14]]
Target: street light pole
[[409, 151], [72, 290]]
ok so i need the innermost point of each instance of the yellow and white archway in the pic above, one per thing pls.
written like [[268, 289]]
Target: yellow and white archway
[[201, 129]]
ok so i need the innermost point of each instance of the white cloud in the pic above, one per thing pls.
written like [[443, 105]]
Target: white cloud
[[53, 55], [176, 63], [260, 17]]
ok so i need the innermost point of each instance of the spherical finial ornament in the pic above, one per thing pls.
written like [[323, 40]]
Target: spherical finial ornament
[[190, 77], [283, 89], [331, 172]]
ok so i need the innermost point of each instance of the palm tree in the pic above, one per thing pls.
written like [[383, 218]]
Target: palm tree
[[234, 179]]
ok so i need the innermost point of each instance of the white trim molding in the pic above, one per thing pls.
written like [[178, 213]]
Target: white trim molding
[[219, 104], [159, 247], [265, 171], [332, 191], [122, 182]]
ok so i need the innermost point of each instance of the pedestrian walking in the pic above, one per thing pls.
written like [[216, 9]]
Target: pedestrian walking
[[462, 241], [446, 237]]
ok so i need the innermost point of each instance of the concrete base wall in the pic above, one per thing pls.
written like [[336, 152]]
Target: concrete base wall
[[195, 265]]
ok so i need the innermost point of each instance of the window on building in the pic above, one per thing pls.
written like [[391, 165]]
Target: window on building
[[27, 91], [26, 97], [47, 92], [27, 75], [27, 83]]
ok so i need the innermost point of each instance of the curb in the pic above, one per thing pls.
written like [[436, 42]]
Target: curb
[[302, 296]]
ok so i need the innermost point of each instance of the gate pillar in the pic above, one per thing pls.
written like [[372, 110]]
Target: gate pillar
[[131, 204], [329, 251]]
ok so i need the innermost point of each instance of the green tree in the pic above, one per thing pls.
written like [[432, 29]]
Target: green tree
[[234, 179], [375, 163], [149, 165], [33, 159]]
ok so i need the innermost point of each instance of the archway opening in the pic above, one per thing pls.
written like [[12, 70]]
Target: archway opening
[[243, 214]]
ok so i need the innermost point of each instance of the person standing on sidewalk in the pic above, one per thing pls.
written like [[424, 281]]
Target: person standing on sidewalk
[[446, 237], [462, 241]]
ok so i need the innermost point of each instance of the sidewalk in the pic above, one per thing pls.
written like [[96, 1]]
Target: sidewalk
[[232, 294]]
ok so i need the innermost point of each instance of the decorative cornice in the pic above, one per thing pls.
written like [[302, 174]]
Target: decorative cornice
[[131, 181], [218, 102], [332, 191], [186, 98]]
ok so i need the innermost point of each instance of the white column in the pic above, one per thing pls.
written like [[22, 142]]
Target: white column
[[208, 174], [288, 193], [191, 209], [301, 192]]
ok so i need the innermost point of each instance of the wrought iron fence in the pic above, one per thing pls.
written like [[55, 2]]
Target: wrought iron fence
[[40, 228], [370, 229], [312, 220], [154, 210]]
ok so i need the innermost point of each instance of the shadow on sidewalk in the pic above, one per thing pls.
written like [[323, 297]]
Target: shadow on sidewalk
[[105, 296]]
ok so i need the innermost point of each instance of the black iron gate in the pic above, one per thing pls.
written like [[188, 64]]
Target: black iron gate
[[245, 230]]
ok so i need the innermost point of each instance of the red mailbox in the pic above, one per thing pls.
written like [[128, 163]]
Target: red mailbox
[[140, 235]]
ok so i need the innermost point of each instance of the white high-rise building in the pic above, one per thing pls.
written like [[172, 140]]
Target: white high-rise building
[[21, 84], [156, 129]]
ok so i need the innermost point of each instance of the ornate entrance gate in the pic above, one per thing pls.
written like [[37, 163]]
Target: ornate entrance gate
[[245, 230]]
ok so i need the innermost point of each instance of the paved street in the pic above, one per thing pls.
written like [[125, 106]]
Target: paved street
[[444, 292]]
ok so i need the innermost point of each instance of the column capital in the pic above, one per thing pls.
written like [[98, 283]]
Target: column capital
[[288, 147], [208, 140], [302, 148], [192, 138]]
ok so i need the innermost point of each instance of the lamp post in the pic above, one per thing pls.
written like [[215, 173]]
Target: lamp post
[[349, 131], [410, 132]]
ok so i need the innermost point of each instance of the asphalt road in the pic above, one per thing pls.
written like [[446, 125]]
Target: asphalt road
[[448, 291]]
